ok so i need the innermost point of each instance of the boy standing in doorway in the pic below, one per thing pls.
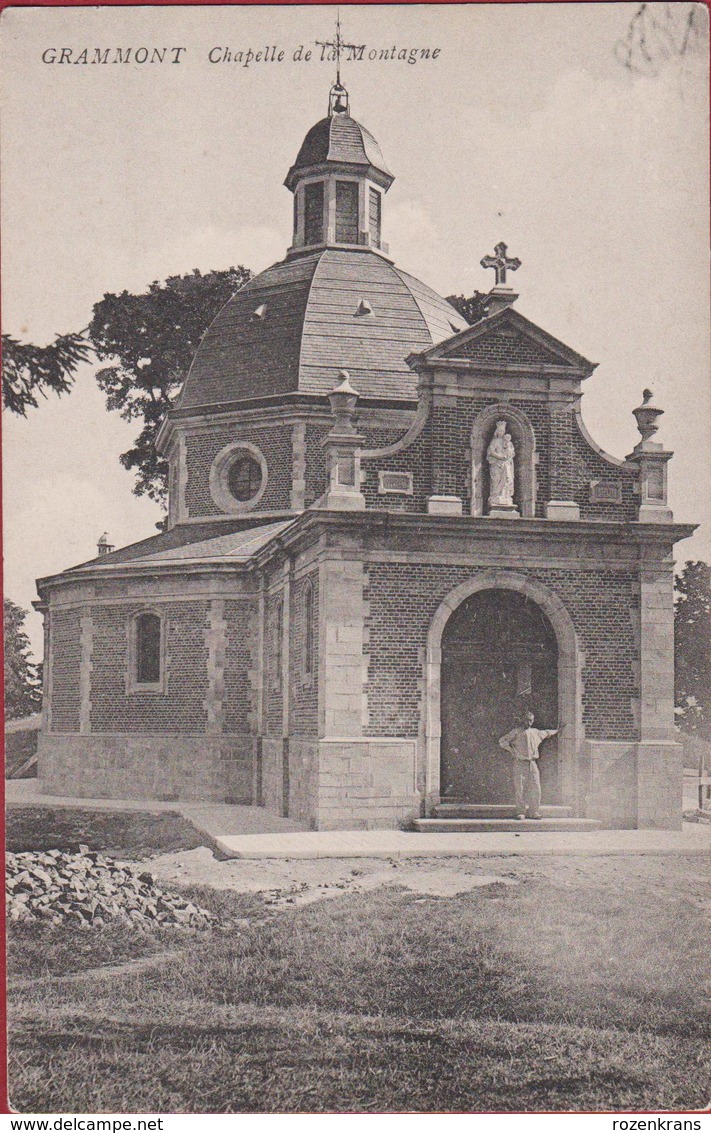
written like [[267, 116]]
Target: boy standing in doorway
[[523, 744]]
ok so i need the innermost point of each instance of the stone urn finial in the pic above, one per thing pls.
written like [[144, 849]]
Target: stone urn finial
[[646, 415], [343, 400]]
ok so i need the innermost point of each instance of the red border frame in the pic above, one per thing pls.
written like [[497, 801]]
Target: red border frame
[[4, 1101]]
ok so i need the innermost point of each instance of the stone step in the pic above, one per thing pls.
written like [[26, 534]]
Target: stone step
[[491, 810], [504, 825]]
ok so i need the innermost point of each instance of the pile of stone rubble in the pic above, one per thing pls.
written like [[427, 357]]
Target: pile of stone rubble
[[91, 890]]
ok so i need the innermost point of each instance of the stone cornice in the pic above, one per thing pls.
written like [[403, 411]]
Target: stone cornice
[[507, 316], [285, 410], [420, 363], [475, 529], [563, 538]]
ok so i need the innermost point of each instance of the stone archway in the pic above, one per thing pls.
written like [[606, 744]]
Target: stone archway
[[569, 690]]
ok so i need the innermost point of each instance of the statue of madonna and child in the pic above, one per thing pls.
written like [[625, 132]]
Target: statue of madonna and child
[[500, 456]]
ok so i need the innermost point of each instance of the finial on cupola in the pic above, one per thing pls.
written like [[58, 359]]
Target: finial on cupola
[[500, 295], [338, 95]]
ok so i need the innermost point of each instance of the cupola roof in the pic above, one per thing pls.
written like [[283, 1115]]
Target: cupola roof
[[338, 140], [292, 328]]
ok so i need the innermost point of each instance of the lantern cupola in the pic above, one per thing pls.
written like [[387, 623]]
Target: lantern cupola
[[338, 180]]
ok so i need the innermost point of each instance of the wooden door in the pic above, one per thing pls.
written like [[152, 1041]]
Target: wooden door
[[499, 660]]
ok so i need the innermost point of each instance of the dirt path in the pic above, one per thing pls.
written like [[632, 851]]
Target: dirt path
[[301, 881]]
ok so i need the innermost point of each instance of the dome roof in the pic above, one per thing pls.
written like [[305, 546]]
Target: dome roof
[[338, 139], [292, 328]]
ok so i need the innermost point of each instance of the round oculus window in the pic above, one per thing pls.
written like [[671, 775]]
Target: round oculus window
[[244, 478]]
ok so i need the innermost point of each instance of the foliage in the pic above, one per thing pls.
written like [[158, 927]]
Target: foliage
[[660, 32], [150, 340], [692, 649], [29, 370], [472, 308], [23, 687]]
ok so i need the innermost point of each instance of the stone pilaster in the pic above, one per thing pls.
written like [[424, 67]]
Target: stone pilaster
[[182, 477], [216, 641], [659, 762], [656, 653], [342, 615], [298, 466], [258, 677]]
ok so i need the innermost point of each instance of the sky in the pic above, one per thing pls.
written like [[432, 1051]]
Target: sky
[[525, 128]]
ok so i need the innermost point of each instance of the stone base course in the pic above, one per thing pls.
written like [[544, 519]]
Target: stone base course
[[633, 786], [162, 767]]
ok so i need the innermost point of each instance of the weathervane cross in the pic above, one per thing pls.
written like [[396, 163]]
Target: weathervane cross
[[500, 262], [338, 46]]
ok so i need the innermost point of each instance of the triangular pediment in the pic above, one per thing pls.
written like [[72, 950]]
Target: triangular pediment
[[508, 339]]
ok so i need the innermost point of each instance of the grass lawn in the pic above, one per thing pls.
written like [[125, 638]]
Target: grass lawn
[[129, 835], [541, 996]]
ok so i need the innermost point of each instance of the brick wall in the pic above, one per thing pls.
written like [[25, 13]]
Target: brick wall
[[451, 459], [440, 460], [316, 473], [403, 598], [181, 708], [202, 448], [506, 346], [304, 687], [417, 458], [586, 465], [239, 662], [66, 662], [548, 454]]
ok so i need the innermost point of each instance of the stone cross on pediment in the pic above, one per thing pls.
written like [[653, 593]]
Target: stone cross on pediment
[[501, 263]]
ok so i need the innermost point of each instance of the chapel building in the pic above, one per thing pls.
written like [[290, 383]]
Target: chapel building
[[389, 536]]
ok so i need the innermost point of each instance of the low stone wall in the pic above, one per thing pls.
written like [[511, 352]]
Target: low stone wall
[[216, 769]]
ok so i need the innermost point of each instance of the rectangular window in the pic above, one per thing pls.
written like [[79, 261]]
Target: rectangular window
[[148, 642], [309, 631], [375, 204], [313, 213], [346, 212], [277, 645]]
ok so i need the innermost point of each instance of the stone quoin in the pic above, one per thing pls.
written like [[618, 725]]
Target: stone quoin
[[343, 615]]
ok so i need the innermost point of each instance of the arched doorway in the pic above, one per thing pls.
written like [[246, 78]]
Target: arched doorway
[[529, 615], [499, 660]]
